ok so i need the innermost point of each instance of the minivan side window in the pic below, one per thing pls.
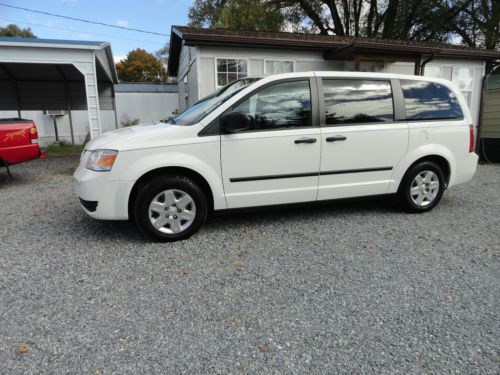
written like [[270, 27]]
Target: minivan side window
[[282, 105], [357, 101], [429, 101]]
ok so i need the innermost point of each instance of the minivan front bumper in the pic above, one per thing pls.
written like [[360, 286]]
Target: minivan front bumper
[[109, 198]]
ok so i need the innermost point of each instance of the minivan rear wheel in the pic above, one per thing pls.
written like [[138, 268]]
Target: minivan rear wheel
[[170, 208], [422, 187]]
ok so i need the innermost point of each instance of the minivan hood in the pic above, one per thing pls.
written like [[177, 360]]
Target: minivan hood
[[140, 136]]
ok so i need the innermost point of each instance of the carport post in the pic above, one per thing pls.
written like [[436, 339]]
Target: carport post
[[68, 103], [18, 100], [114, 107], [68, 106], [55, 128], [71, 125]]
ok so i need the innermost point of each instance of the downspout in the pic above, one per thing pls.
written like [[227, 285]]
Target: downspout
[[477, 146], [424, 63]]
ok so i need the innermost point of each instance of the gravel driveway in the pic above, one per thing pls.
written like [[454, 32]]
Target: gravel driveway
[[346, 288]]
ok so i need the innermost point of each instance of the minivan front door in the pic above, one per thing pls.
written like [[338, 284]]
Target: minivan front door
[[361, 142], [276, 159]]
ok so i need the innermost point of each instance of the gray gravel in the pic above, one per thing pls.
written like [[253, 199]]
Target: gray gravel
[[346, 288]]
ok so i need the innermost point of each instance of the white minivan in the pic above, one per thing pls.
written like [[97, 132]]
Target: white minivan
[[289, 138]]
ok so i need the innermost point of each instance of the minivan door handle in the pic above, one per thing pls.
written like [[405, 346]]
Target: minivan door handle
[[306, 140], [336, 138]]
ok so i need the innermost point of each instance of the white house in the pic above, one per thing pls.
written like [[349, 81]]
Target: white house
[[206, 59]]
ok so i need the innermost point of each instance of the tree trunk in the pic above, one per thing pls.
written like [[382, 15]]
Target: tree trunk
[[370, 32], [492, 24], [390, 19], [337, 22], [314, 16]]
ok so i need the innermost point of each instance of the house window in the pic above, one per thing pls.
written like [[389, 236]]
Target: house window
[[278, 66], [463, 78], [229, 70], [432, 71]]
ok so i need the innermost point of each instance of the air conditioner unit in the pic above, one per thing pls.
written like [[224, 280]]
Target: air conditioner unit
[[54, 113]]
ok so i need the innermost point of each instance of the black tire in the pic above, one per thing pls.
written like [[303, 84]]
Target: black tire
[[404, 193], [151, 189]]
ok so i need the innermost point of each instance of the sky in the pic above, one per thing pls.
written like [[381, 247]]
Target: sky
[[151, 15]]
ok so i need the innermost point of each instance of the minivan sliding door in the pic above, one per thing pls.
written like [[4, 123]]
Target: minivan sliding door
[[361, 140]]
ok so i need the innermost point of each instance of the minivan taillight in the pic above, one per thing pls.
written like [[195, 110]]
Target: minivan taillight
[[33, 135], [471, 138]]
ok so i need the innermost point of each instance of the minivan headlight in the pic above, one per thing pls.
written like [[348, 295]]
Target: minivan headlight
[[101, 160]]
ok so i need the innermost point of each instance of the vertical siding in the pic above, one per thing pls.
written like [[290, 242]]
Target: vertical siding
[[256, 67], [207, 75]]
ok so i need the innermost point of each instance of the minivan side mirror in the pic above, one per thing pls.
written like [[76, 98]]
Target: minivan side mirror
[[234, 122]]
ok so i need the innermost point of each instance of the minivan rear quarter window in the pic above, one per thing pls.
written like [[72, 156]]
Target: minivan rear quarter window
[[430, 101], [357, 101]]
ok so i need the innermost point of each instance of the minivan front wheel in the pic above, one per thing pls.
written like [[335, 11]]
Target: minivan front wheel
[[170, 208], [422, 187]]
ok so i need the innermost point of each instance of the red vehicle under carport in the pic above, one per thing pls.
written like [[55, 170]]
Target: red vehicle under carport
[[18, 142]]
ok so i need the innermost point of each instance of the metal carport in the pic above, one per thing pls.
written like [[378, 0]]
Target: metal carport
[[47, 74]]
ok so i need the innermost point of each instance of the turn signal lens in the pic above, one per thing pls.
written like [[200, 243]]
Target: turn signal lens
[[101, 160]]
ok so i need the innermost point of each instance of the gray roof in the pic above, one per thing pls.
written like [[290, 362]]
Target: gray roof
[[145, 87]]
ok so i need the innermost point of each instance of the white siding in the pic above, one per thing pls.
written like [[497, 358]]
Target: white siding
[[187, 77], [303, 60], [147, 107], [256, 66], [192, 82], [207, 75]]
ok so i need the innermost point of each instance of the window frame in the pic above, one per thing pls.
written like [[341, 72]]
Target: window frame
[[412, 120], [398, 109], [313, 89], [471, 91], [453, 66], [229, 58], [293, 61]]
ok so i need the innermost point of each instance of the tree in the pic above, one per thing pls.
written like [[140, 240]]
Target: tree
[[236, 14], [479, 24], [426, 20], [162, 53], [423, 20], [15, 31], [141, 66]]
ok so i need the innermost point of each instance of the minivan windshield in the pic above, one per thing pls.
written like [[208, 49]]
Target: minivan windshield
[[199, 110]]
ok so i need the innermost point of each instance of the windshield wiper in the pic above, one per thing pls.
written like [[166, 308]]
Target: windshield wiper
[[171, 120]]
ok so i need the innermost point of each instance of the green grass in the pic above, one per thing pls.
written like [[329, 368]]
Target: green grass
[[64, 149]]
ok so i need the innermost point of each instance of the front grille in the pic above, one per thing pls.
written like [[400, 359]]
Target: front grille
[[89, 205]]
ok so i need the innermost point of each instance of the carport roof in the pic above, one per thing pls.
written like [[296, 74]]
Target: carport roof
[[64, 44], [60, 43]]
